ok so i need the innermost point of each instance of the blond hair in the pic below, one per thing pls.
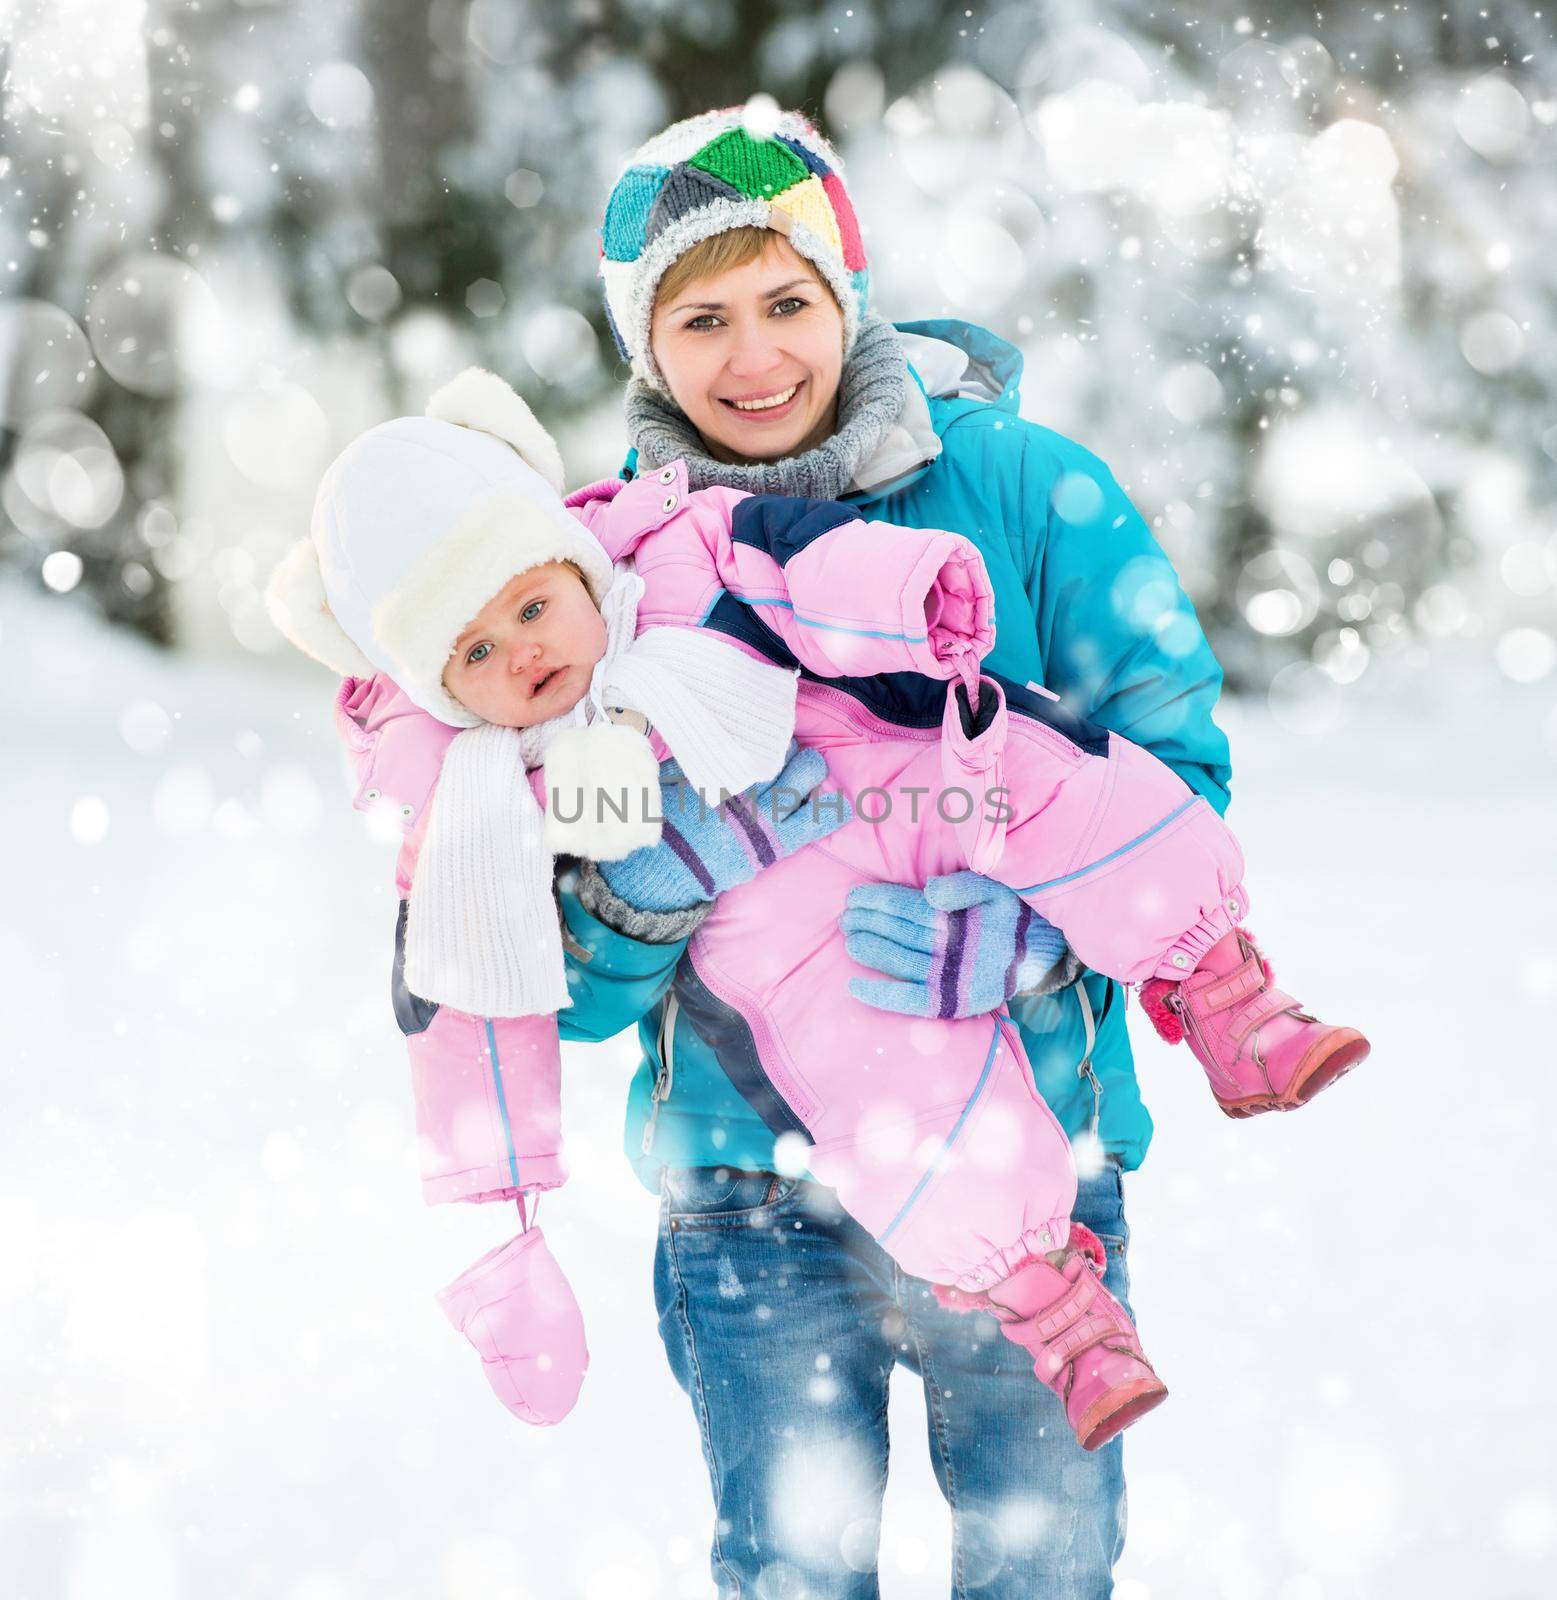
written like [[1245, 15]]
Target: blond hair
[[723, 252]]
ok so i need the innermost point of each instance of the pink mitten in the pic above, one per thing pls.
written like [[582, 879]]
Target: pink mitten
[[517, 1309]]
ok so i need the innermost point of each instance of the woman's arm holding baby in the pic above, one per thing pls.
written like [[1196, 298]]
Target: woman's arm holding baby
[[614, 978]]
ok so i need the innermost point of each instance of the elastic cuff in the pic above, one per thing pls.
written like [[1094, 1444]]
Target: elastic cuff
[[1216, 922], [1033, 1245], [1061, 975], [647, 927], [479, 1185], [949, 595]]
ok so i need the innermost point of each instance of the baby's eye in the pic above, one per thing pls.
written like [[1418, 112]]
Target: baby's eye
[[478, 654], [532, 611]]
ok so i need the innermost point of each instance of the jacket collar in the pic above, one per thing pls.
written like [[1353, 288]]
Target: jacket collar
[[960, 360], [947, 361]]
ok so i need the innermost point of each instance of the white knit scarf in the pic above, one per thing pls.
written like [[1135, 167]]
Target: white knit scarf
[[482, 932]]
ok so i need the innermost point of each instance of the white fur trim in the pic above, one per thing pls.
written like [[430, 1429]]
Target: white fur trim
[[480, 399], [420, 620], [592, 774], [298, 606]]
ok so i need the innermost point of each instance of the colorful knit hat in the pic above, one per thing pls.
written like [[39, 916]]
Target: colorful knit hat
[[707, 175]]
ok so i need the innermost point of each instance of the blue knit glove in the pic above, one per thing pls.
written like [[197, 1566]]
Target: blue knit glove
[[704, 851], [959, 947]]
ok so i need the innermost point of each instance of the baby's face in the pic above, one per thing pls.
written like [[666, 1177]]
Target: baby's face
[[530, 651]]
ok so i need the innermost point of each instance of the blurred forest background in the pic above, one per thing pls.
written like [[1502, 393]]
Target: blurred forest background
[[1287, 269]]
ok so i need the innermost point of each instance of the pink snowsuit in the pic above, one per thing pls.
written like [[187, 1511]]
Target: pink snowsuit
[[930, 1130]]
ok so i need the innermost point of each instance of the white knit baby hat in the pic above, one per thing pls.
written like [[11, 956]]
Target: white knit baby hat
[[417, 524]]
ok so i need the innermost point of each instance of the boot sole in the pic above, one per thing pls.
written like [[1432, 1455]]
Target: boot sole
[[1329, 1061], [1118, 1409]]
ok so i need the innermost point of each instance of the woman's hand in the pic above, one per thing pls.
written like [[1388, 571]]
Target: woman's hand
[[959, 947], [705, 851]]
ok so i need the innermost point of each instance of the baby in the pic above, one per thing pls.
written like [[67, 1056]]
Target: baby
[[581, 642]]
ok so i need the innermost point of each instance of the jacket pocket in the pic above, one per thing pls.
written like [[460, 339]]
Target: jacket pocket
[[714, 1195]]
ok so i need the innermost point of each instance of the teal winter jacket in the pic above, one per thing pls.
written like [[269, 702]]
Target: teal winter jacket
[[1087, 605]]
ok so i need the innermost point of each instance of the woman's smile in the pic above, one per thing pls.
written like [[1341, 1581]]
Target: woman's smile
[[772, 407]]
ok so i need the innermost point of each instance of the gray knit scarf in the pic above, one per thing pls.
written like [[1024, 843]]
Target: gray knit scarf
[[870, 399]]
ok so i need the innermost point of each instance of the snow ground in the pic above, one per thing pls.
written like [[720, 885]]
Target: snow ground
[[220, 1355]]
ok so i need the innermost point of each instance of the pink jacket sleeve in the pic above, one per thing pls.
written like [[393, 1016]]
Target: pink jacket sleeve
[[849, 598], [395, 752], [487, 1090]]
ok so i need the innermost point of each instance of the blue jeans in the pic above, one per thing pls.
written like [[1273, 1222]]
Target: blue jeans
[[783, 1319]]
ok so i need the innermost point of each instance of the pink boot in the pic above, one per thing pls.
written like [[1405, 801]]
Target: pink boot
[[1260, 1049], [517, 1309], [1084, 1345]]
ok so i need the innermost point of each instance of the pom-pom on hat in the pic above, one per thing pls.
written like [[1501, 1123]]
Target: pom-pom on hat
[[710, 174], [416, 526]]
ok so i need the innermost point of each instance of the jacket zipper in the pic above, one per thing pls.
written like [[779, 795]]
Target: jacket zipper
[[1186, 1016], [1086, 1070], [662, 1081], [867, 721]]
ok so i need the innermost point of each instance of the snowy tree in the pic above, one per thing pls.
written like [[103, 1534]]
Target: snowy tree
[[1264, 263]]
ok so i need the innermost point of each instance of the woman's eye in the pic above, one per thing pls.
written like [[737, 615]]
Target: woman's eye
[[478, 654], [532, 611], [792, 300], [701, 323]]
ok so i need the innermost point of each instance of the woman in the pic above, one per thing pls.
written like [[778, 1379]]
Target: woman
[[737, 285]]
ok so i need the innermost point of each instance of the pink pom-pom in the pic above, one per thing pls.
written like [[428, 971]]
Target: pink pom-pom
[[1084, 1240], [955, 1299], [1154, 1002]]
